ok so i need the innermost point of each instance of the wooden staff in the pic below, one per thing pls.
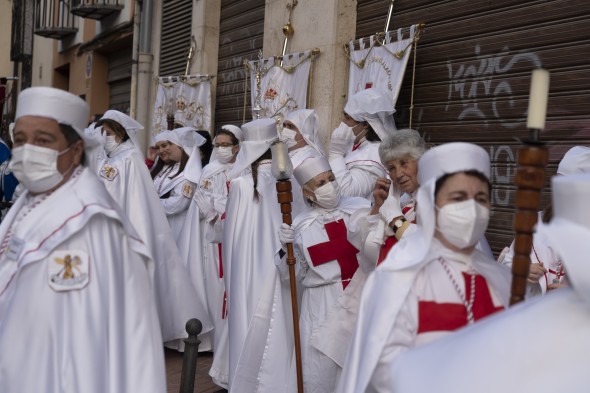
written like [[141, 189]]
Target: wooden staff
[[282, 170], [529, 179]]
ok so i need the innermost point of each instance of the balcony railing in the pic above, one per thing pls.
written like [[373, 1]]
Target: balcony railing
[[96, 9], [53, 19]]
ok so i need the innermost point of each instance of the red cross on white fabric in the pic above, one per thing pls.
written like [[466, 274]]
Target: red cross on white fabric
[[337, 248]]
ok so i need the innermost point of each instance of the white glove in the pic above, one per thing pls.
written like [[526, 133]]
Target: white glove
[[341, 141], [391, 207], [286, 234], [205, 204]]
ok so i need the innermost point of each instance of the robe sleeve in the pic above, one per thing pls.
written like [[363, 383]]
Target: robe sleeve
[[177, 202], [401, 338], [361, 230], [358, 180]]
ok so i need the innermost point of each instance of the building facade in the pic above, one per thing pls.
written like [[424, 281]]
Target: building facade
[[468, 79]]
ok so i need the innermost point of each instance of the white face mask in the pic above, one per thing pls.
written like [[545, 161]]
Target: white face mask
[[35, 167], [289, 136], [328, 195], [346, 132], [224, 154], [463, 223], [110, 143]]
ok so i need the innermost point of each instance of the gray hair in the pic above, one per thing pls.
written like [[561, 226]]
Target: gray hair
[[402, 142]]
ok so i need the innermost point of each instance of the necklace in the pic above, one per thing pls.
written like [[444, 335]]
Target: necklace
[[468, 303], [162, 176], [21, 216]]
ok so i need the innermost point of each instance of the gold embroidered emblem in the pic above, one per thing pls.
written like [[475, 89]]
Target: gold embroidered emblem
[[188, 189], [109, 172], [206, 184], [68, 270]]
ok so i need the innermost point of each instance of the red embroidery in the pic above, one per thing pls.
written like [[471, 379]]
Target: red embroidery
[[220, 261], [224, 307], [434, 317], [336, 248]]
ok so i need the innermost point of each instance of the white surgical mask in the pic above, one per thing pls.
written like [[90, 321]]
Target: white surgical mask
[[110, 143], [35, 167], [328, 195], [345, 131], [463, 223], [224, 154], [289, 136]]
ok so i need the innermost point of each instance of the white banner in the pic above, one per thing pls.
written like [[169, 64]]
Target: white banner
[[283, 89], [191, 102], [380, 66]]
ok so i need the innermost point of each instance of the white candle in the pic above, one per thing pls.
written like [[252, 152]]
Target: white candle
[[538, 99]]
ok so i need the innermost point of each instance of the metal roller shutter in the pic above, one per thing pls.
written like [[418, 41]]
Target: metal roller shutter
[[176, 36], [472, 80], [240, 38], [119, 79]]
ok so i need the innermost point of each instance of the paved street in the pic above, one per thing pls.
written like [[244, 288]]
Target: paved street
[[203, 382]]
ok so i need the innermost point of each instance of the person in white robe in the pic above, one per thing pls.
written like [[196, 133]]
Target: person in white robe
[[371, 230], [126, 177], [200, 241], [327, 261], [174, 147], [257, 343], [434, 281], [300, 132], [76, 303], [547, 271], [353, 145], [537, 346]]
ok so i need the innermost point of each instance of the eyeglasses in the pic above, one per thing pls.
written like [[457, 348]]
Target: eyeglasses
[[223, 145]]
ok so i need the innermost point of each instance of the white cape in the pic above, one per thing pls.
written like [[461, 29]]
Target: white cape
[[101, 337], [133, 189], [260, 328]]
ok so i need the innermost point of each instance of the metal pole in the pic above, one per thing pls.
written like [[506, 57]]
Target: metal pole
[[191, 352], [389, 16]]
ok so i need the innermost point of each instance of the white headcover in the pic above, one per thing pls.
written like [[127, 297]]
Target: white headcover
[[131, 126], [435, 163], [234, 130], [306, 121], [375, 107], [61, 106], [310, 168], [258, 136], [575, 161], [569, 229], [186, 137]]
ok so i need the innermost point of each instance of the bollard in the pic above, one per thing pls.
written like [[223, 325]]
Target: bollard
[[191, 351]]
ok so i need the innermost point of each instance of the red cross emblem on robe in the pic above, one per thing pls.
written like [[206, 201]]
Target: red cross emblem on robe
[[433, 316], [337, 248]]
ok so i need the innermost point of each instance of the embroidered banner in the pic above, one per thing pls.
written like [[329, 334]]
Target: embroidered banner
[[381, 64], [283, 88], [189, 97]]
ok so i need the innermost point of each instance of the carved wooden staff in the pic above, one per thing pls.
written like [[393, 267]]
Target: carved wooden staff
[[282, 169], [530, 179]]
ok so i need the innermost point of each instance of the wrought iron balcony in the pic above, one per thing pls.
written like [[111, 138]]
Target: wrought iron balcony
[[53, 19], [96, 9]]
